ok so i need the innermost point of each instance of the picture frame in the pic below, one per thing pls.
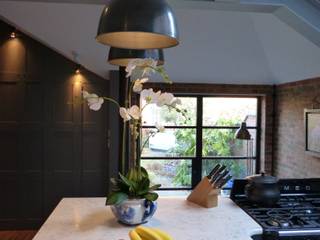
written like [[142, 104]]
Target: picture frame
[[312, 131]]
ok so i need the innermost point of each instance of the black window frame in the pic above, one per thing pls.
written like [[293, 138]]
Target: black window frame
[[196, 166]]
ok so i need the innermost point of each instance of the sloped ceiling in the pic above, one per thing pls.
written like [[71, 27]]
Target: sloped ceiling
[[217, 45]]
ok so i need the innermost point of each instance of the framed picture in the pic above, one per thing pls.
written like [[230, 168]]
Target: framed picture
[[312, 127]]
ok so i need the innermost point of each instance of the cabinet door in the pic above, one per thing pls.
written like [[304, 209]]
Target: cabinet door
[[94, 145]]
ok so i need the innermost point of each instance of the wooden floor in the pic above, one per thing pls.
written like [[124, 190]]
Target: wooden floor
[[17, 235]]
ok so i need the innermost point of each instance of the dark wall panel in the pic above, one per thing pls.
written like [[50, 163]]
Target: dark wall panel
[[52, 146], [9, 149], [33, 102], [10, 97], [31, 147], [13, 56]]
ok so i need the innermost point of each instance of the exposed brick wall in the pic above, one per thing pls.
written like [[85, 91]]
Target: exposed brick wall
[[265, 92], [290, 158]]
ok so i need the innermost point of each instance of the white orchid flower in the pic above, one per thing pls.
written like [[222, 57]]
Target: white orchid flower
[[85, 94], [160, 128], [150, 64], [165, 99], [147, 63], [135, 112], [94, 101], [127, 114], [95, 104], [149, 95], [130, 67], [138, 84], [175, 102], [124, 114]]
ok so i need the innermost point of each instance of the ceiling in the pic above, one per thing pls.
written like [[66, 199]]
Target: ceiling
[[226, 41]]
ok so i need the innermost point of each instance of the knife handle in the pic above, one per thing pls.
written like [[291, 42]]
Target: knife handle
[[220, 177], [217, 174], [224, 181], [213, 171]]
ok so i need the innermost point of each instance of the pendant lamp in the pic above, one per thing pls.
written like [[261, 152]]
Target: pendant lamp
[[138, 24], [121, 57]]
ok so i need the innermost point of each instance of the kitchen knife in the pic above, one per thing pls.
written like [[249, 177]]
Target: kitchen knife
[[216, 175], [220, 177], [213, 171], [224, 181]]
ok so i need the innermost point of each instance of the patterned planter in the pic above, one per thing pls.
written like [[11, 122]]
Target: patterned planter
[[134, 211]]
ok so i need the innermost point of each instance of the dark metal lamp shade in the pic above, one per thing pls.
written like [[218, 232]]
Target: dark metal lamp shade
[[138, 24], [243, 133], [121, 57]]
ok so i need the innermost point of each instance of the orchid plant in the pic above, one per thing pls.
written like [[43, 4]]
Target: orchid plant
[[139, 70]]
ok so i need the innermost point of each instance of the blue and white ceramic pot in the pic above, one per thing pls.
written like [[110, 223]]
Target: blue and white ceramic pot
[[134, 211]]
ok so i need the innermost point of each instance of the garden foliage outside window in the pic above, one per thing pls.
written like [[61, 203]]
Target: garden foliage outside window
[[188, 149]]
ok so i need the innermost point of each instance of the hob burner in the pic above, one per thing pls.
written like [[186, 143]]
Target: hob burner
[[279, 214]]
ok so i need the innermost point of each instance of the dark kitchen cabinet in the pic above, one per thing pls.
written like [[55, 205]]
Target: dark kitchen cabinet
[[51, 145]]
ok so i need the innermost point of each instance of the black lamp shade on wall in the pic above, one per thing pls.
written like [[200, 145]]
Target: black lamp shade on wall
[[243, 133], [121, 57], [138, 24]]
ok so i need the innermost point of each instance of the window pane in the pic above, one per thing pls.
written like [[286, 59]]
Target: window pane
[[166, 117], [169, 173], [221, 142], [219, 111], [237, 168], [171, 143]]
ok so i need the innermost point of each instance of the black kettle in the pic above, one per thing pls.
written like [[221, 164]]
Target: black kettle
[[262, 190]]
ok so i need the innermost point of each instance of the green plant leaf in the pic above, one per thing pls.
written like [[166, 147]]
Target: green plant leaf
[[132, 186], [132, 175], [125, 180], [143, 187], [144, 172], [116, 198], [155, 187], [151, 196]]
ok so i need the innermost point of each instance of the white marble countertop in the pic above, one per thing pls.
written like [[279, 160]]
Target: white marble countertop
[[90, 219]]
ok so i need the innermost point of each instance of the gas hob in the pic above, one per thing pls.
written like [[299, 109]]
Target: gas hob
[[295, 216]]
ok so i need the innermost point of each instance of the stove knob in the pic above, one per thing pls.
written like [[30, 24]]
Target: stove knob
[[285, 224], [308, 211], [273, 223]]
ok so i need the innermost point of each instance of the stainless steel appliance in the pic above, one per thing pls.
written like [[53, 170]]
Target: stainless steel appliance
[[296, 216]]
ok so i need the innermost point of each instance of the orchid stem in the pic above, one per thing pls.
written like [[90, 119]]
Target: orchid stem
[[112, 100], [145, 142]]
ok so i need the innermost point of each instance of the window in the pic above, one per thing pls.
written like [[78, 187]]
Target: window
[[189, 148]]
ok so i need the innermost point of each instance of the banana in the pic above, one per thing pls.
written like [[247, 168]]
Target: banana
[[162, 234], [134, 235], [147, 233]]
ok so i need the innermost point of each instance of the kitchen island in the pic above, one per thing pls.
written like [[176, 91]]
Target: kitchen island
[[90, 219]]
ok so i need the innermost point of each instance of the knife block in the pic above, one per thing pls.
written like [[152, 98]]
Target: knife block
[[204, 194]]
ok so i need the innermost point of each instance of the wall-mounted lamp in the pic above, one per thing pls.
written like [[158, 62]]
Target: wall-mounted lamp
[[243, 134], [13, 35], [77, 75], [75, 58], [78, 69]]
